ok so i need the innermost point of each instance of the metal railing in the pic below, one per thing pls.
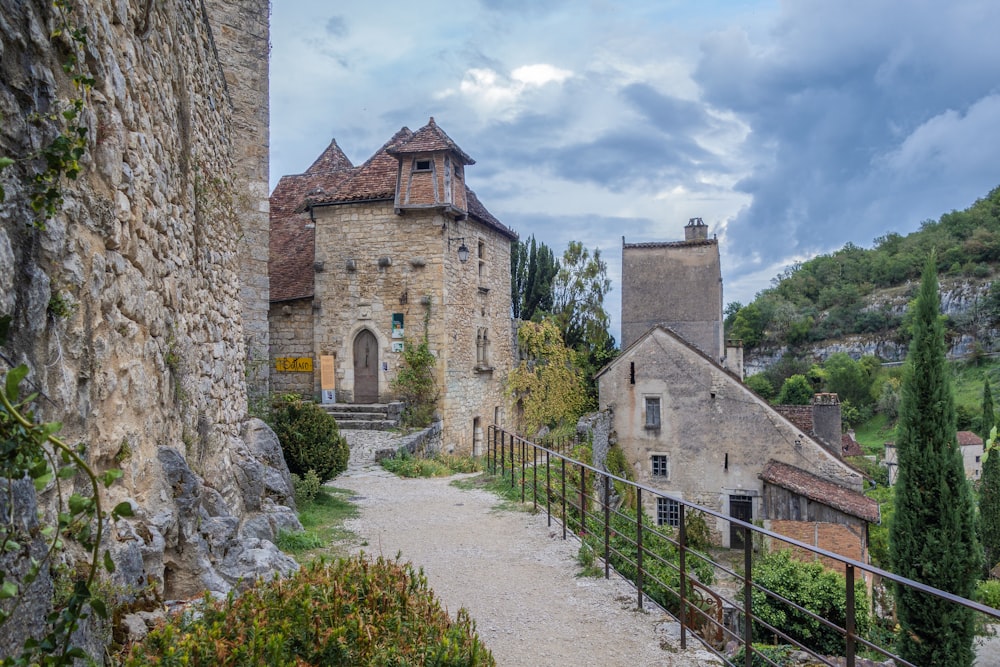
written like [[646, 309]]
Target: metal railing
[[657, 561]]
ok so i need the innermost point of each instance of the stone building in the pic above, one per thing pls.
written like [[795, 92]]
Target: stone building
[[678, 284], [365, 258], [690, 427], [970, 444], [134, 307]]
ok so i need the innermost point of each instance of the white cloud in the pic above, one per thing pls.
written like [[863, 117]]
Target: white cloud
[[500, 96]]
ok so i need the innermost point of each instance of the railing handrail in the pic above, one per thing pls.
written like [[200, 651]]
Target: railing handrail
[[850, 565]]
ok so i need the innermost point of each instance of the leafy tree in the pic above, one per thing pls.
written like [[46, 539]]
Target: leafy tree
[[759, 383], [795, 391], [850, 380], [547, 385], [933, 535]]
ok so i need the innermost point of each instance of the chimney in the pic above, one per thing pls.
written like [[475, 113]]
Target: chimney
[[695, 230], [826, 421], [733, 361]]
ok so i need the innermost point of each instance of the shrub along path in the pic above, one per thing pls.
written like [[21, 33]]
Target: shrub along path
[[515, 575]]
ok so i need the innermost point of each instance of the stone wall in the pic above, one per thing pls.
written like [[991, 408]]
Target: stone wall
[[147, 364], [376, 263], [291, 335], [678, 284]]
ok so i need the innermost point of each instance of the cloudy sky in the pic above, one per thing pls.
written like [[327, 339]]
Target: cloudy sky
[[790, 128]]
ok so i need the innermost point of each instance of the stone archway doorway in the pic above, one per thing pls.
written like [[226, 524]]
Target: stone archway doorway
[[365, 367]]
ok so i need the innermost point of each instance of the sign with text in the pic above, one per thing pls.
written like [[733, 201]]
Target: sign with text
[[293, 364], [397, 325], [327, 379]]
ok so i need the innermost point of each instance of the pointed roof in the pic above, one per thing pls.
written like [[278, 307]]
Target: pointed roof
[[375, 179], [821, 490], [332, 159], [431, 138]]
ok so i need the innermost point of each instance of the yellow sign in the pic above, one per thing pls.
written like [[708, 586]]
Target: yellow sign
[[293, 364], [328, 378]]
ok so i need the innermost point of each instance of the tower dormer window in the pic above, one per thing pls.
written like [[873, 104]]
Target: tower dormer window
[[422, 165]]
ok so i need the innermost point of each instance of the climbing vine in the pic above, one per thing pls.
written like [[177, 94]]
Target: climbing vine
[[59, 158], [415, 381], [32, 450]]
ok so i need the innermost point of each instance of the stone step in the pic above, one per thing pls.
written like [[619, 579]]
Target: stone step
[[366, 424], [356, 407], [341, 415]]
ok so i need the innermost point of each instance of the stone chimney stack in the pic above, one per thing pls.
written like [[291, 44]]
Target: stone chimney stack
[[826, 421], [695, 230], [733, 361]]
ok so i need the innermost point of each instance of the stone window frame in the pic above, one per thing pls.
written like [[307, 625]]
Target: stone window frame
[[483, 350], [417, 161], [668, 512], [652, 419], [659, 465]]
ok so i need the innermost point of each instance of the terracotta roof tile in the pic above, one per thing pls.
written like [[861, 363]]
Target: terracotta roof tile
[[966, 438], [375, 179], [430, 138], [332, 159], [821, 490], [290, 259], [850, 446], [479, 212]]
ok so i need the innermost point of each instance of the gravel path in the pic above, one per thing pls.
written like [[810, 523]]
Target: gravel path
[[515, 575]]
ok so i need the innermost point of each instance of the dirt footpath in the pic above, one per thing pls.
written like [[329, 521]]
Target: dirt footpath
[[515, 575]]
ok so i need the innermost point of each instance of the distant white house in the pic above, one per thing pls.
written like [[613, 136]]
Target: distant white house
[[972, 456]]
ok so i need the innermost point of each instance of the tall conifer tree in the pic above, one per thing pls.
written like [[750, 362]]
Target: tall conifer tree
[[989, 487], [933, 534]]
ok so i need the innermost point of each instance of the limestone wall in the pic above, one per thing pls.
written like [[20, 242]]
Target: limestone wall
[[147, 363], [376, 263], [291, 335]]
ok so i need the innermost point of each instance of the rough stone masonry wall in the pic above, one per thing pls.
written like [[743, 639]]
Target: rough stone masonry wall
[[147, 366]]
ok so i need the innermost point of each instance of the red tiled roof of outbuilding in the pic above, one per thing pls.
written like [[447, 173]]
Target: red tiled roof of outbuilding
[[821, 490], [966, 438]]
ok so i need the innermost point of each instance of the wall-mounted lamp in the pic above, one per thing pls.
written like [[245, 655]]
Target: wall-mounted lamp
[[463, 250]]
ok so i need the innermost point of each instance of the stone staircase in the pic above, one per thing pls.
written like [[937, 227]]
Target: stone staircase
[[365, 416]]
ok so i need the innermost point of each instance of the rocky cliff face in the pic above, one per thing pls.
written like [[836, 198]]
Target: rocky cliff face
[[962, 301], [129, 306]]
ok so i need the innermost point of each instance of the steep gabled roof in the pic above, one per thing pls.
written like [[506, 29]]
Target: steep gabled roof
[[967, 438], [821, 490], [850, 447], [479, 212], [375, 179], [290, 258], [428, 139], [332, 159]]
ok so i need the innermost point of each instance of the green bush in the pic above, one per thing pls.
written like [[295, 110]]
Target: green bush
[[813, 587], [778, 655], [988, 593], [406, 464], [309, 439], [352, 612], [306, 487]]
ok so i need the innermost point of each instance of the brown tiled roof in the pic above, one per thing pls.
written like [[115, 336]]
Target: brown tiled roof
[[800, 415], [966, 438], [670, 244], [332, 179], [850, 446], [479, 212], [820, 490], [428, 139], [332, 159]]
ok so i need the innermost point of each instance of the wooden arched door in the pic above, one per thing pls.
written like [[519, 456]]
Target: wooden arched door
[[365, 367]]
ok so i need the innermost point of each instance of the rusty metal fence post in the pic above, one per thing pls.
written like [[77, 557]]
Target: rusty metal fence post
[[638, 543], [682, 553]]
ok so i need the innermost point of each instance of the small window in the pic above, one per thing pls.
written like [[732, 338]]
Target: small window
[[421, 165], [668, 512], [977, 459], [482, 250], [653, 412], [482, 348], [658, 464]]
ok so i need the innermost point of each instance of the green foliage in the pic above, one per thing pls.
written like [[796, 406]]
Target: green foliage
[[988, 593], [355, 611], [298, 541], [32, 450], [796, 391], [878, 534], [405, 464], [759, 384], [309, 438], [323, 519], [825, 297], [306, 486], [933, 537], [989, 504], [814, 588], [533, 268], [547, 384], [617, 464], [415, 383], [777, 655], [989, 417]]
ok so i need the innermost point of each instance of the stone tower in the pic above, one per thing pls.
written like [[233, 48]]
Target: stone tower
[[678, 284]]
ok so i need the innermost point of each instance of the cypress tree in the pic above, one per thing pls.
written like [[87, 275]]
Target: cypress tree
[[989, 487], [933, 534]]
